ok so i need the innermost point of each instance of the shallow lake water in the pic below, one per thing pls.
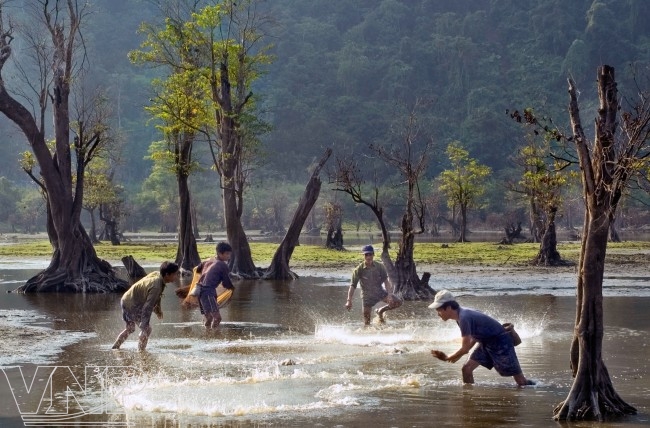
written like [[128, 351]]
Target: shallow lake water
[[289, 354]]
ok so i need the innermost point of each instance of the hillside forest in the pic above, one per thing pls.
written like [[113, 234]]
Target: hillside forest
[[359, 77]]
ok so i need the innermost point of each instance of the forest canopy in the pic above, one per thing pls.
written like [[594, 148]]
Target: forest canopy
[[341, 72]]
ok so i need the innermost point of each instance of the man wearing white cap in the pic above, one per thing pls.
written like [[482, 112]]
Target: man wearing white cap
[[371, 274], [495, 347]]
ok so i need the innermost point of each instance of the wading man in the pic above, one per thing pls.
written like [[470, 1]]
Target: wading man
[[371, 275], [142, 299], [214, 272], [495, 347]]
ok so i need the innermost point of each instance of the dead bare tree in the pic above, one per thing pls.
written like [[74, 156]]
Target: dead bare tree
[[411, 165], [279, 268], [619, 151]]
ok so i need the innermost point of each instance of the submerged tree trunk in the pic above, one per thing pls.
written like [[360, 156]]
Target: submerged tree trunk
[[334, 220], [548, 254], [592, 395], [279, 268], [407, 282], [75, 268]]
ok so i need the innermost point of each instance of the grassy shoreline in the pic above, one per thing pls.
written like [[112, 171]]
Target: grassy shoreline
[[312, 256]]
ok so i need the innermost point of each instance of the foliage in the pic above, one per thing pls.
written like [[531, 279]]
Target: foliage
[[464, 183], [342, 66]]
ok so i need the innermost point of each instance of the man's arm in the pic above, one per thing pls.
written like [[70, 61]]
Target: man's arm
[[153, 299], [348, 304], [468, 343], [225, 276], [353, 286]]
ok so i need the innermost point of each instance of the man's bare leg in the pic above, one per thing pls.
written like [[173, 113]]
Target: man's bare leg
[[130, 328], [468, 371], [144, 338], [207, 321], [216, 319], [380, 312], [366, 315], [522, 381]]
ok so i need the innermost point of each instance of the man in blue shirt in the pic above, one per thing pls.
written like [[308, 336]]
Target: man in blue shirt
[[495, 346], [214, 271]]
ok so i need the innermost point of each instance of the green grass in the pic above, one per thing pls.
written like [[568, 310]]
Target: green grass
[[474, 253]]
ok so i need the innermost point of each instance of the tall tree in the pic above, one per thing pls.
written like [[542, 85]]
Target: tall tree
[[74, 266], [618, 152], [542, 182], [179, 105], [232, 37], [463, 184]]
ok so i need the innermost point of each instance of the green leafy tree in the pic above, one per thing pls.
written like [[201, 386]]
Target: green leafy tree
[[231, 36], [544, 178], [180, 107], [463, 184]]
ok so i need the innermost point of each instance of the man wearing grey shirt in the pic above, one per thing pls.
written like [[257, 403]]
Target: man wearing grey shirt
[[371, 275]]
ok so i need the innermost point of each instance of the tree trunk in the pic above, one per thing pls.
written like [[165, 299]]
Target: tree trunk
[[187, 254], [407, 283], [279, 268], [613, 231], [463, 224], [548, 254], [334, 240], [76, 268], [134, 271], [241, 260], [93, 227], [592, 395], [536, 223]]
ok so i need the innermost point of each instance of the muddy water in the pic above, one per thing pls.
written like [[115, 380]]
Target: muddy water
[[288, 354]]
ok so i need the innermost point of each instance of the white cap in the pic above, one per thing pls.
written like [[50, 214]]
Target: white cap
[[442, 297]]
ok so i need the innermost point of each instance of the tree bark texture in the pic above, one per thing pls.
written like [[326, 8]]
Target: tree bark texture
[[407, 284], [74, 266], [592, 395], [279, 268], [548, 254], [463, 224], [187, 254]]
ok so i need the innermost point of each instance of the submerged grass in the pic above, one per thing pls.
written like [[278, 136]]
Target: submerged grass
[[473, 253]]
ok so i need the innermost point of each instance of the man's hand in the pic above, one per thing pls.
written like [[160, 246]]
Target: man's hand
[[439, 355], [455, 357], [348, 304]]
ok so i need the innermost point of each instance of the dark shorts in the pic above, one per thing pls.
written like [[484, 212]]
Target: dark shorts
[[373, 299], [498, 353], [208, 303]]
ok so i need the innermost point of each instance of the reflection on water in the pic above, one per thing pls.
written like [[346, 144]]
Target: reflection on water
[[289, 354]]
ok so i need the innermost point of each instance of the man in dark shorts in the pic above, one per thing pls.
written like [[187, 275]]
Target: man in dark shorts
[[214, 271], [371, 275], [143, 299], [495, 347]]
